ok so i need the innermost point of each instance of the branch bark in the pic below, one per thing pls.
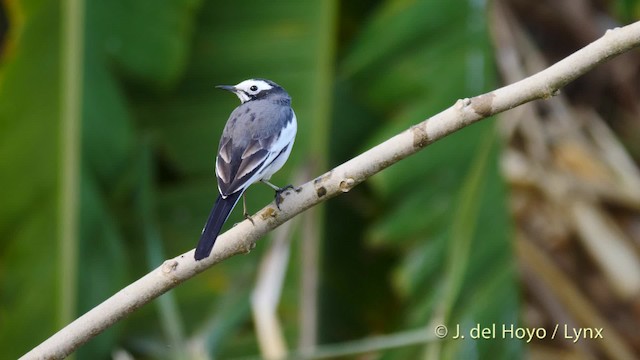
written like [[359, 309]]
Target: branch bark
[[242, 238]]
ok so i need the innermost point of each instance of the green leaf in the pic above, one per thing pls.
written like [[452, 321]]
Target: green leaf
[[479, 266], [29, 128], [150, 40], [148, 44], [29, 108]]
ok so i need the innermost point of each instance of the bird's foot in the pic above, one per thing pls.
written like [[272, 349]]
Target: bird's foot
[[245, 213], [248, 217], [279, 193]]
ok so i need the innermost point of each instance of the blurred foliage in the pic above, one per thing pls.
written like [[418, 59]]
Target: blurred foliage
[[437, 221], [429, 239], [28, 177], [626, 10]]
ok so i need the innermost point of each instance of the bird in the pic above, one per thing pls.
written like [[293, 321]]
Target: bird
[[255, 143]]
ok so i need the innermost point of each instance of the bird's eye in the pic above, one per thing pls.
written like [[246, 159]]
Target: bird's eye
[[253, 88]]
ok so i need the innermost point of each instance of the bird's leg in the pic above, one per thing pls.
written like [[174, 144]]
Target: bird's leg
[[270, 185], [278, 190], [244, 208]]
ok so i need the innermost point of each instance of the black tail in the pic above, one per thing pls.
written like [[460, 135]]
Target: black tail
[[219, 214]]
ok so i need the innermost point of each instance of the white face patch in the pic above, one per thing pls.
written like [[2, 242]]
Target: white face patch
[[251, 87]]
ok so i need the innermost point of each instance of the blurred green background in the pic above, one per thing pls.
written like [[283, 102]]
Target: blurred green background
[[429, 239]]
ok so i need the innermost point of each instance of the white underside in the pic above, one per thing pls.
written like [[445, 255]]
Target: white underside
[[287, 137]]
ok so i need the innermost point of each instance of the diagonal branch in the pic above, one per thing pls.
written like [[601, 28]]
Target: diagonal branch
[[242, 238]]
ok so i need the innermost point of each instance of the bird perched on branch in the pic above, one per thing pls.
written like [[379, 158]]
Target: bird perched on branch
[[255, 143]]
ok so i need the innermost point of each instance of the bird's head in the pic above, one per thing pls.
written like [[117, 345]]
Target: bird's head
[[255, 89]]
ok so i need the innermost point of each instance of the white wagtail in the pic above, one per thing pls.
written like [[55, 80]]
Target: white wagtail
[[255, 143]]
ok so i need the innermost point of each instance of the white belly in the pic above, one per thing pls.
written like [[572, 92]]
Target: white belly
[[286, 138]]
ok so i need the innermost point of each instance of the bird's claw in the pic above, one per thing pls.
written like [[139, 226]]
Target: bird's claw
[[279, 193], [248, 217]]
